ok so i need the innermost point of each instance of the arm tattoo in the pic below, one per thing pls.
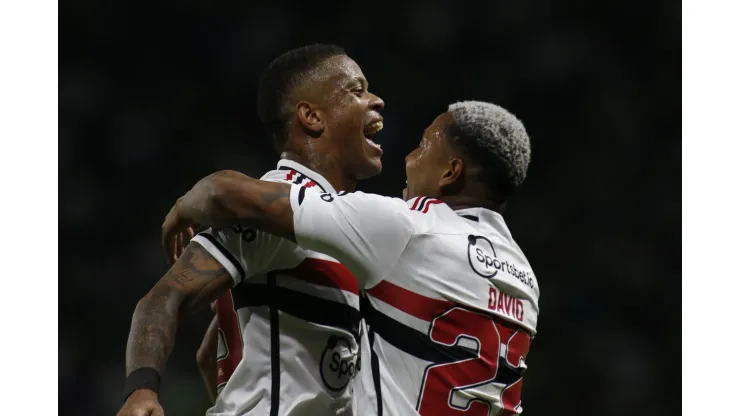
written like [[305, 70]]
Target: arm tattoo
[[276, 194], [240, 199], [194, 281]]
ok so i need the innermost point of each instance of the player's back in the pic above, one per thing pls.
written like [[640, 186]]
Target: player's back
[[451, 324], [296, 313]]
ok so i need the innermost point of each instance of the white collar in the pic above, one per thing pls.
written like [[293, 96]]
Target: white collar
[[308, 174], [485, 216]]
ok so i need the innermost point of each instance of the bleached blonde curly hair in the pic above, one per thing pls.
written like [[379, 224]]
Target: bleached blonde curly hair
[[494, 138]]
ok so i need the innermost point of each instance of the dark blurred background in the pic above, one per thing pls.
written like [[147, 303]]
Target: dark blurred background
[[155, 95]]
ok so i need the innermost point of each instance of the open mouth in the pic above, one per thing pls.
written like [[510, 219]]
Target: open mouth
[[370, 131]]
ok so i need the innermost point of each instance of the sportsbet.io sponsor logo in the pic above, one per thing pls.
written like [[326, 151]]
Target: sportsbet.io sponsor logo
[[483, 261], [338, 364]]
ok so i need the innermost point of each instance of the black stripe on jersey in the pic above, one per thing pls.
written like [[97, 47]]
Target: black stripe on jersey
[[301, 177], [470, 217], [421, 204], [302, 306], [421, 346], [301, 195], [374, 363], [274, 347], [226, 253]]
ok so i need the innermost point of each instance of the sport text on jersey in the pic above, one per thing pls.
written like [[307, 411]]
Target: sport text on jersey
[[483, 261], [339, 364]]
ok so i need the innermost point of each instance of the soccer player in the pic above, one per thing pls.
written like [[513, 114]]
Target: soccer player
[[298, 310], [451, 301]]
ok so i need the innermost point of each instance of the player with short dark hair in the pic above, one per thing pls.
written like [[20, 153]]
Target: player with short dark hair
[[280, 79], [296, 311], [451, 302], [296, 77]]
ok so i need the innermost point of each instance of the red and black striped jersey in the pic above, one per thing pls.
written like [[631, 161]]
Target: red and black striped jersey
[[230, 345], [450, 302], [296, 312]]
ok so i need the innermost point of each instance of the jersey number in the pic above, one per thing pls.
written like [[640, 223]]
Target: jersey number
[[464, 328], [230, 334]]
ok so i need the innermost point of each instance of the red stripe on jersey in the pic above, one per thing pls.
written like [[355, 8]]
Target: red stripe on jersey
[[433, 201], [324, 273], [290, 175], [416, 202], [410, 302], [310, 184], [228, 323]]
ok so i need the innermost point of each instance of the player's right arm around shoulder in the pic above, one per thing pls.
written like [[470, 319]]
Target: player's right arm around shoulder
[[365, 232], [195, 280]]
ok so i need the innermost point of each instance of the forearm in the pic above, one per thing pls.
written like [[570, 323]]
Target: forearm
[[228, 198], [191, 284], [153, 330]]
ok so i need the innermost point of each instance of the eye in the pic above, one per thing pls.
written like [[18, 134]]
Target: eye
[[358, 92]]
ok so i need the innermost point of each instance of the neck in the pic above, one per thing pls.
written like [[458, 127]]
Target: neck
[[315, 161], [464, 201]]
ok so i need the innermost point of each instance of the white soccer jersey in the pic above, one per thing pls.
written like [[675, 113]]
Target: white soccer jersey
[[450, 301], [298, 312], [230, 343]]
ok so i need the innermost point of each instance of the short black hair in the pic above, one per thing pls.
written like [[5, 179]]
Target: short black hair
[[280, 78], [494, 140]]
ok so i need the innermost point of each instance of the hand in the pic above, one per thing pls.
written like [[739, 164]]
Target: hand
[[175, 229], [191, 209], [142, 403]]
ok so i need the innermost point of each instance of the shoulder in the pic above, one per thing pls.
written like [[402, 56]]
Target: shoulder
[[292, 177], [422, 203], [278, 175]]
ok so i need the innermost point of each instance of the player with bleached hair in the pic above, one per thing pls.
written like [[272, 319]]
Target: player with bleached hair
[[449, 299]]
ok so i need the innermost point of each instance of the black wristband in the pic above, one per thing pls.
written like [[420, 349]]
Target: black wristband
[[141, 378]]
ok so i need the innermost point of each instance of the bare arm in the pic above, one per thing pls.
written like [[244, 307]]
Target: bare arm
[[206, 359], [226, 198], [191, 284]]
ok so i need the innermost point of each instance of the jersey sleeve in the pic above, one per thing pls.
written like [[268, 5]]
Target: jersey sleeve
[[244, 252], [365, 232]]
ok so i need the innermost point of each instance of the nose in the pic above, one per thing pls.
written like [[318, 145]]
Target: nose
[[376, 103]]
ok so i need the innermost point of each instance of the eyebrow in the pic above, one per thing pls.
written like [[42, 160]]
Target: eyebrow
[[362, 82]]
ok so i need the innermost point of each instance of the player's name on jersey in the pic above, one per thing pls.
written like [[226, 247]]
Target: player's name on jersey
[[505, 304]]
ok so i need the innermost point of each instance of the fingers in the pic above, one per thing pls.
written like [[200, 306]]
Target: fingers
[[170, 234], [180, 244], [176, 233], [149, 409]]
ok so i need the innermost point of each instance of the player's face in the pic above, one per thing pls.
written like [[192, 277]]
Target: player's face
[[426, 164], [353, 118]]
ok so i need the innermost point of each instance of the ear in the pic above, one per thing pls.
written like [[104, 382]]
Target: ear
[[310, 118], [452, 176]]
